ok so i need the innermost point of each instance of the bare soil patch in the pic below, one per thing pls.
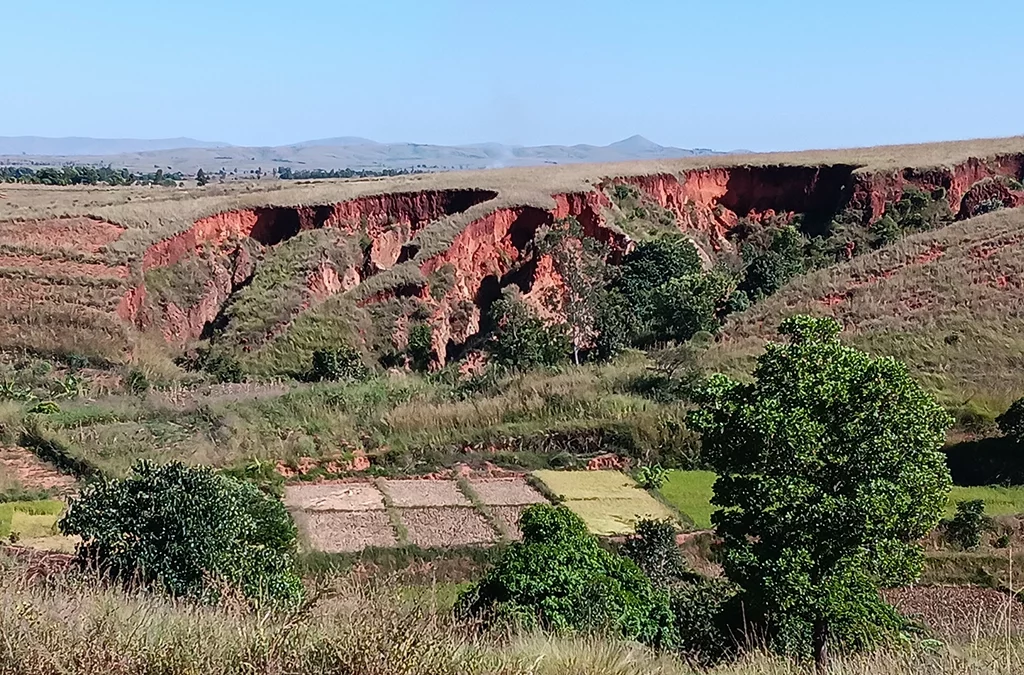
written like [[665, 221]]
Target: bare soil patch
[[509, 516], [505, 492], [334, 497], [960, 610], [34, 474], [65, 268], [421, 493], [79, 234], [346, 531], [447, 526]]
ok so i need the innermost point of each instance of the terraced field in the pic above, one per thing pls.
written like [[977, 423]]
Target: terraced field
[[344, 517], [609, 502]]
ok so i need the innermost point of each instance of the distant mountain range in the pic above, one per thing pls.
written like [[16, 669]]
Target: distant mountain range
[[348, 152]]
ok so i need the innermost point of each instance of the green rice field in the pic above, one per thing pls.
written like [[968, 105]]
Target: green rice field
[[29, 519], [999, 501], [690, 493]]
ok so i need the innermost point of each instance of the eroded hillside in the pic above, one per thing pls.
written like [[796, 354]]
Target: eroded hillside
[[268, 277]]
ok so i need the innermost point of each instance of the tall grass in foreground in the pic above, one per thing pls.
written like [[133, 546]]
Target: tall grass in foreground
[[71, 626]]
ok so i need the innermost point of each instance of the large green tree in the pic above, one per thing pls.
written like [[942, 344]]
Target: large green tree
[[188, 530], [829, 474], [560, 578]]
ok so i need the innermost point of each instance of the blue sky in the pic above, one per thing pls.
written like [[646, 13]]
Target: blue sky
[[760, 75]]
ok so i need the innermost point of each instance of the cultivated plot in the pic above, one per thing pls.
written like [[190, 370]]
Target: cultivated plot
[[690, 493], [505, 492], [334, 497], [609, 502], [346, 531], [446, 526], [419, 493]]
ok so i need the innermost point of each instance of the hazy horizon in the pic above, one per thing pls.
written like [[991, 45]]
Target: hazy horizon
[[785, 75]]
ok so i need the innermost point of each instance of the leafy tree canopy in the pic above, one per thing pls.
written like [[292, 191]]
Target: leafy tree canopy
[[188, 530], [560, 578], [829, 474]]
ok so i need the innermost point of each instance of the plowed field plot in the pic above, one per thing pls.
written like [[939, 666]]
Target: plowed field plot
[[505, 492], [346, 531], [417, 493], [334, 497], [509, 517], [447, 526], [960, 610], [609, 502]]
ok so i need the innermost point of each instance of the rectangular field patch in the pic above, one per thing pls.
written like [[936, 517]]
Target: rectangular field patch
[[690, 493], [509, 517], [334, 497], [505, 492], [346, 531], [609, 502], [421, 493], [446, 526]]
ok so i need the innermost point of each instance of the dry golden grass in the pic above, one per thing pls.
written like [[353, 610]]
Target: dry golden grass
[[950, 303], [372, 628], [150, 213]]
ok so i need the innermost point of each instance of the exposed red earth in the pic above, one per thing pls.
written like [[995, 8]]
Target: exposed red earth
[[490, 249], [69, 261]]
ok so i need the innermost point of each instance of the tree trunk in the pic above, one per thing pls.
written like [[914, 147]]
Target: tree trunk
[[820, 646]]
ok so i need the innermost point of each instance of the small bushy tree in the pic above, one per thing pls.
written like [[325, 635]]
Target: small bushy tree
[[521, 340], [968, 524], [559, 578], [654, 550], [652, 263], [829, 473], [685, 306], [421, 346], [768, 269], [343, 363], [187, 530], [1011, 422]]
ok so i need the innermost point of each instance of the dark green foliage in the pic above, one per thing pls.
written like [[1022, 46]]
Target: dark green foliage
[[187, 530], [650, 265], [916, 211], [709, 620], [739, 301], [969, 523], [769, 268], [220, 366], [84, 175], [559, 578], [654, 550], [614, 325], [829, 475], [521, 340], [1011, 422], [421, 346], [343, 363], [44, 408], [685, 306], [136, 381]]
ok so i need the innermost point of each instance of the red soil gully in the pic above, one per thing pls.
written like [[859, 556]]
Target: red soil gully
[[713, 200], [273, 224], [493, 251]]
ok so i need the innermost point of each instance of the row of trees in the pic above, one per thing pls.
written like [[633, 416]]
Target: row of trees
[[86, 175]]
